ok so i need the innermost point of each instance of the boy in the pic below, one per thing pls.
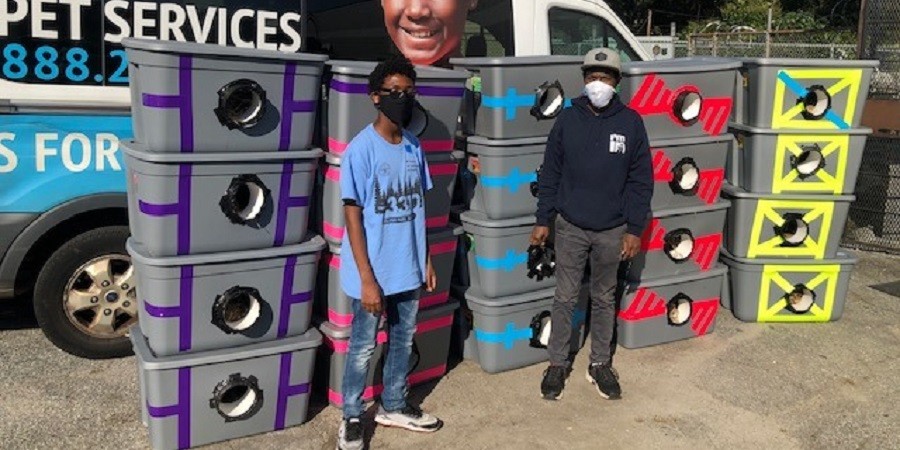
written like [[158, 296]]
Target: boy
[[384, 176]]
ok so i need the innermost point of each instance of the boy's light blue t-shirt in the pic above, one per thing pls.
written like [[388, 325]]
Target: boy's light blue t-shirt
[[389, 182]]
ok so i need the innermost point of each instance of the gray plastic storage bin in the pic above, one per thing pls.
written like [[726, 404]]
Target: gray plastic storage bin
[[442, 167], [784, 225], [333, 304], [192, 98], [512, 332], [428, 361], [506, 179], [779, 290], [810, 94], [520, 95], [796, 161], [688, 172], [498, 255], [682, 97], [205, 203], [680, 241], [205, 302], [350, 109], [197, 399], [669, 309]]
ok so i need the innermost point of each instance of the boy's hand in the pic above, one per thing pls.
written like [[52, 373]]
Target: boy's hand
[[371, 297], [430, 277]]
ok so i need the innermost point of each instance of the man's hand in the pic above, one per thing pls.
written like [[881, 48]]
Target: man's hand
[[430, 277], [631, 246], [539, 234], [371, 297]]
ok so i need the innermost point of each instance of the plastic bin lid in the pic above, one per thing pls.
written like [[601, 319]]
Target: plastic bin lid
[[474, 297], [194, 48], [479, 219], [307, 341], [844, 257], [698, 209], [516, 61], [335, 332], [809, 62], [729, 190], [677, 279], [680, 65], [423, 73], [140, 151], [518, 142], [137, 251], [755, 130], [696, 140]]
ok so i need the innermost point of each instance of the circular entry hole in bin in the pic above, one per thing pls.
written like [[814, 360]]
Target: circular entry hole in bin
[[550, 98], [794, 230], [540, 330], [687, 107], [679, 244], [679, 310], [242, 104], [810, 161], [685, 176], [246, 201], [249, 199], [816, 102], [238, 310], [237, 398], [800, 300]]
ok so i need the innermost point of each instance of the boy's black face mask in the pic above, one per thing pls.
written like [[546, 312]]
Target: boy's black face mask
[[397, 107]]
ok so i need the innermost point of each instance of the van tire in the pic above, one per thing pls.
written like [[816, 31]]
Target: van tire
[[51, 289]]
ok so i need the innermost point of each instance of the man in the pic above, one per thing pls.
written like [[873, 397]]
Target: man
[[597, 181], [428, 32], [383, 179]]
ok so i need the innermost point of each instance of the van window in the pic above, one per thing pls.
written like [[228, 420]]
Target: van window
[[357, 29], [575, 33]]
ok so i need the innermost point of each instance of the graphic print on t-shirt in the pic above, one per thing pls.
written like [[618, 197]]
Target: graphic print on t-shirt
[[399, 199]]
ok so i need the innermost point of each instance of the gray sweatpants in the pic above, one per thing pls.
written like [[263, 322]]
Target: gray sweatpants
[[574, 246]]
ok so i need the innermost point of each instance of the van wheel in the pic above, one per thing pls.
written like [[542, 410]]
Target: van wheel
[[84, 297]]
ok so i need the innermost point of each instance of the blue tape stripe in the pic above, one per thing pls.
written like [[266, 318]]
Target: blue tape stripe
[[512, 181], [801, 91], [512, 101], [507, 337], [507, 264]]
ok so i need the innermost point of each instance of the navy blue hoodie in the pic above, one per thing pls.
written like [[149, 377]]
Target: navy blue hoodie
[[597, 171]]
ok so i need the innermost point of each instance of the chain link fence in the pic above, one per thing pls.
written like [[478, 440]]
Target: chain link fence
[[829, 44], [880, 39], [874, 222]]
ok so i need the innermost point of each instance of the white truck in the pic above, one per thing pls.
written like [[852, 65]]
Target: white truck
[[64, 104]]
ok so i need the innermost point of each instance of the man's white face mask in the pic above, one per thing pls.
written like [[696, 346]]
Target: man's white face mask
[[599, 93]]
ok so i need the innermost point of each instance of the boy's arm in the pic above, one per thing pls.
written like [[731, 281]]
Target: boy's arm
[[355, 169]]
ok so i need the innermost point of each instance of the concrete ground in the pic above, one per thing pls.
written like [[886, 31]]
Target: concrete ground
[[744, 386]]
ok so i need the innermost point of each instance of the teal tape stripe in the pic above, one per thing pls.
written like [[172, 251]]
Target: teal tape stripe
[[507, 264], [512, 181], [801, 91], [512, 101], [507, 337]]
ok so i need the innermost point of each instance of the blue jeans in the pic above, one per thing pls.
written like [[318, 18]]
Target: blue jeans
[[401, 320]]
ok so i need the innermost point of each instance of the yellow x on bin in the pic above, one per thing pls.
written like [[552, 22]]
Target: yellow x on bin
[[825, 180], [770, 214], [774, 289], [791, 84]]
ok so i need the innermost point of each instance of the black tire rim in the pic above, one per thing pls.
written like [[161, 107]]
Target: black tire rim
[[100, 298]]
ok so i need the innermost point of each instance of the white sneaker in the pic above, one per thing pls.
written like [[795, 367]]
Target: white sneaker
[[350, 436], [409, 418]]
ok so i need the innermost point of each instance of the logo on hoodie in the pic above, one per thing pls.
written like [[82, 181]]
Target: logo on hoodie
[[617, 143]]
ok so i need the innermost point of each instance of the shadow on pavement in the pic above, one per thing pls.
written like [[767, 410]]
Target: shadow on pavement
[[17, 314]]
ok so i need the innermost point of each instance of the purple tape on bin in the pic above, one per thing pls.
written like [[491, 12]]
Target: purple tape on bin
[[182, 312], [182, 409], [286, 390]]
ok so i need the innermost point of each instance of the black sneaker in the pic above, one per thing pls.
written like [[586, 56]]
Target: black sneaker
[[350, 436], [554, 382], [605, 379]]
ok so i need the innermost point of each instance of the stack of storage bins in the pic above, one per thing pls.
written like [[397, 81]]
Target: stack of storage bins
[[672, 289], [792, 175], [349, 111], [508, 112], [219, 178]]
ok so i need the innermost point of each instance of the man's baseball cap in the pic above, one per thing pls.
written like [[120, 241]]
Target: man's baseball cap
[[602, 58]]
